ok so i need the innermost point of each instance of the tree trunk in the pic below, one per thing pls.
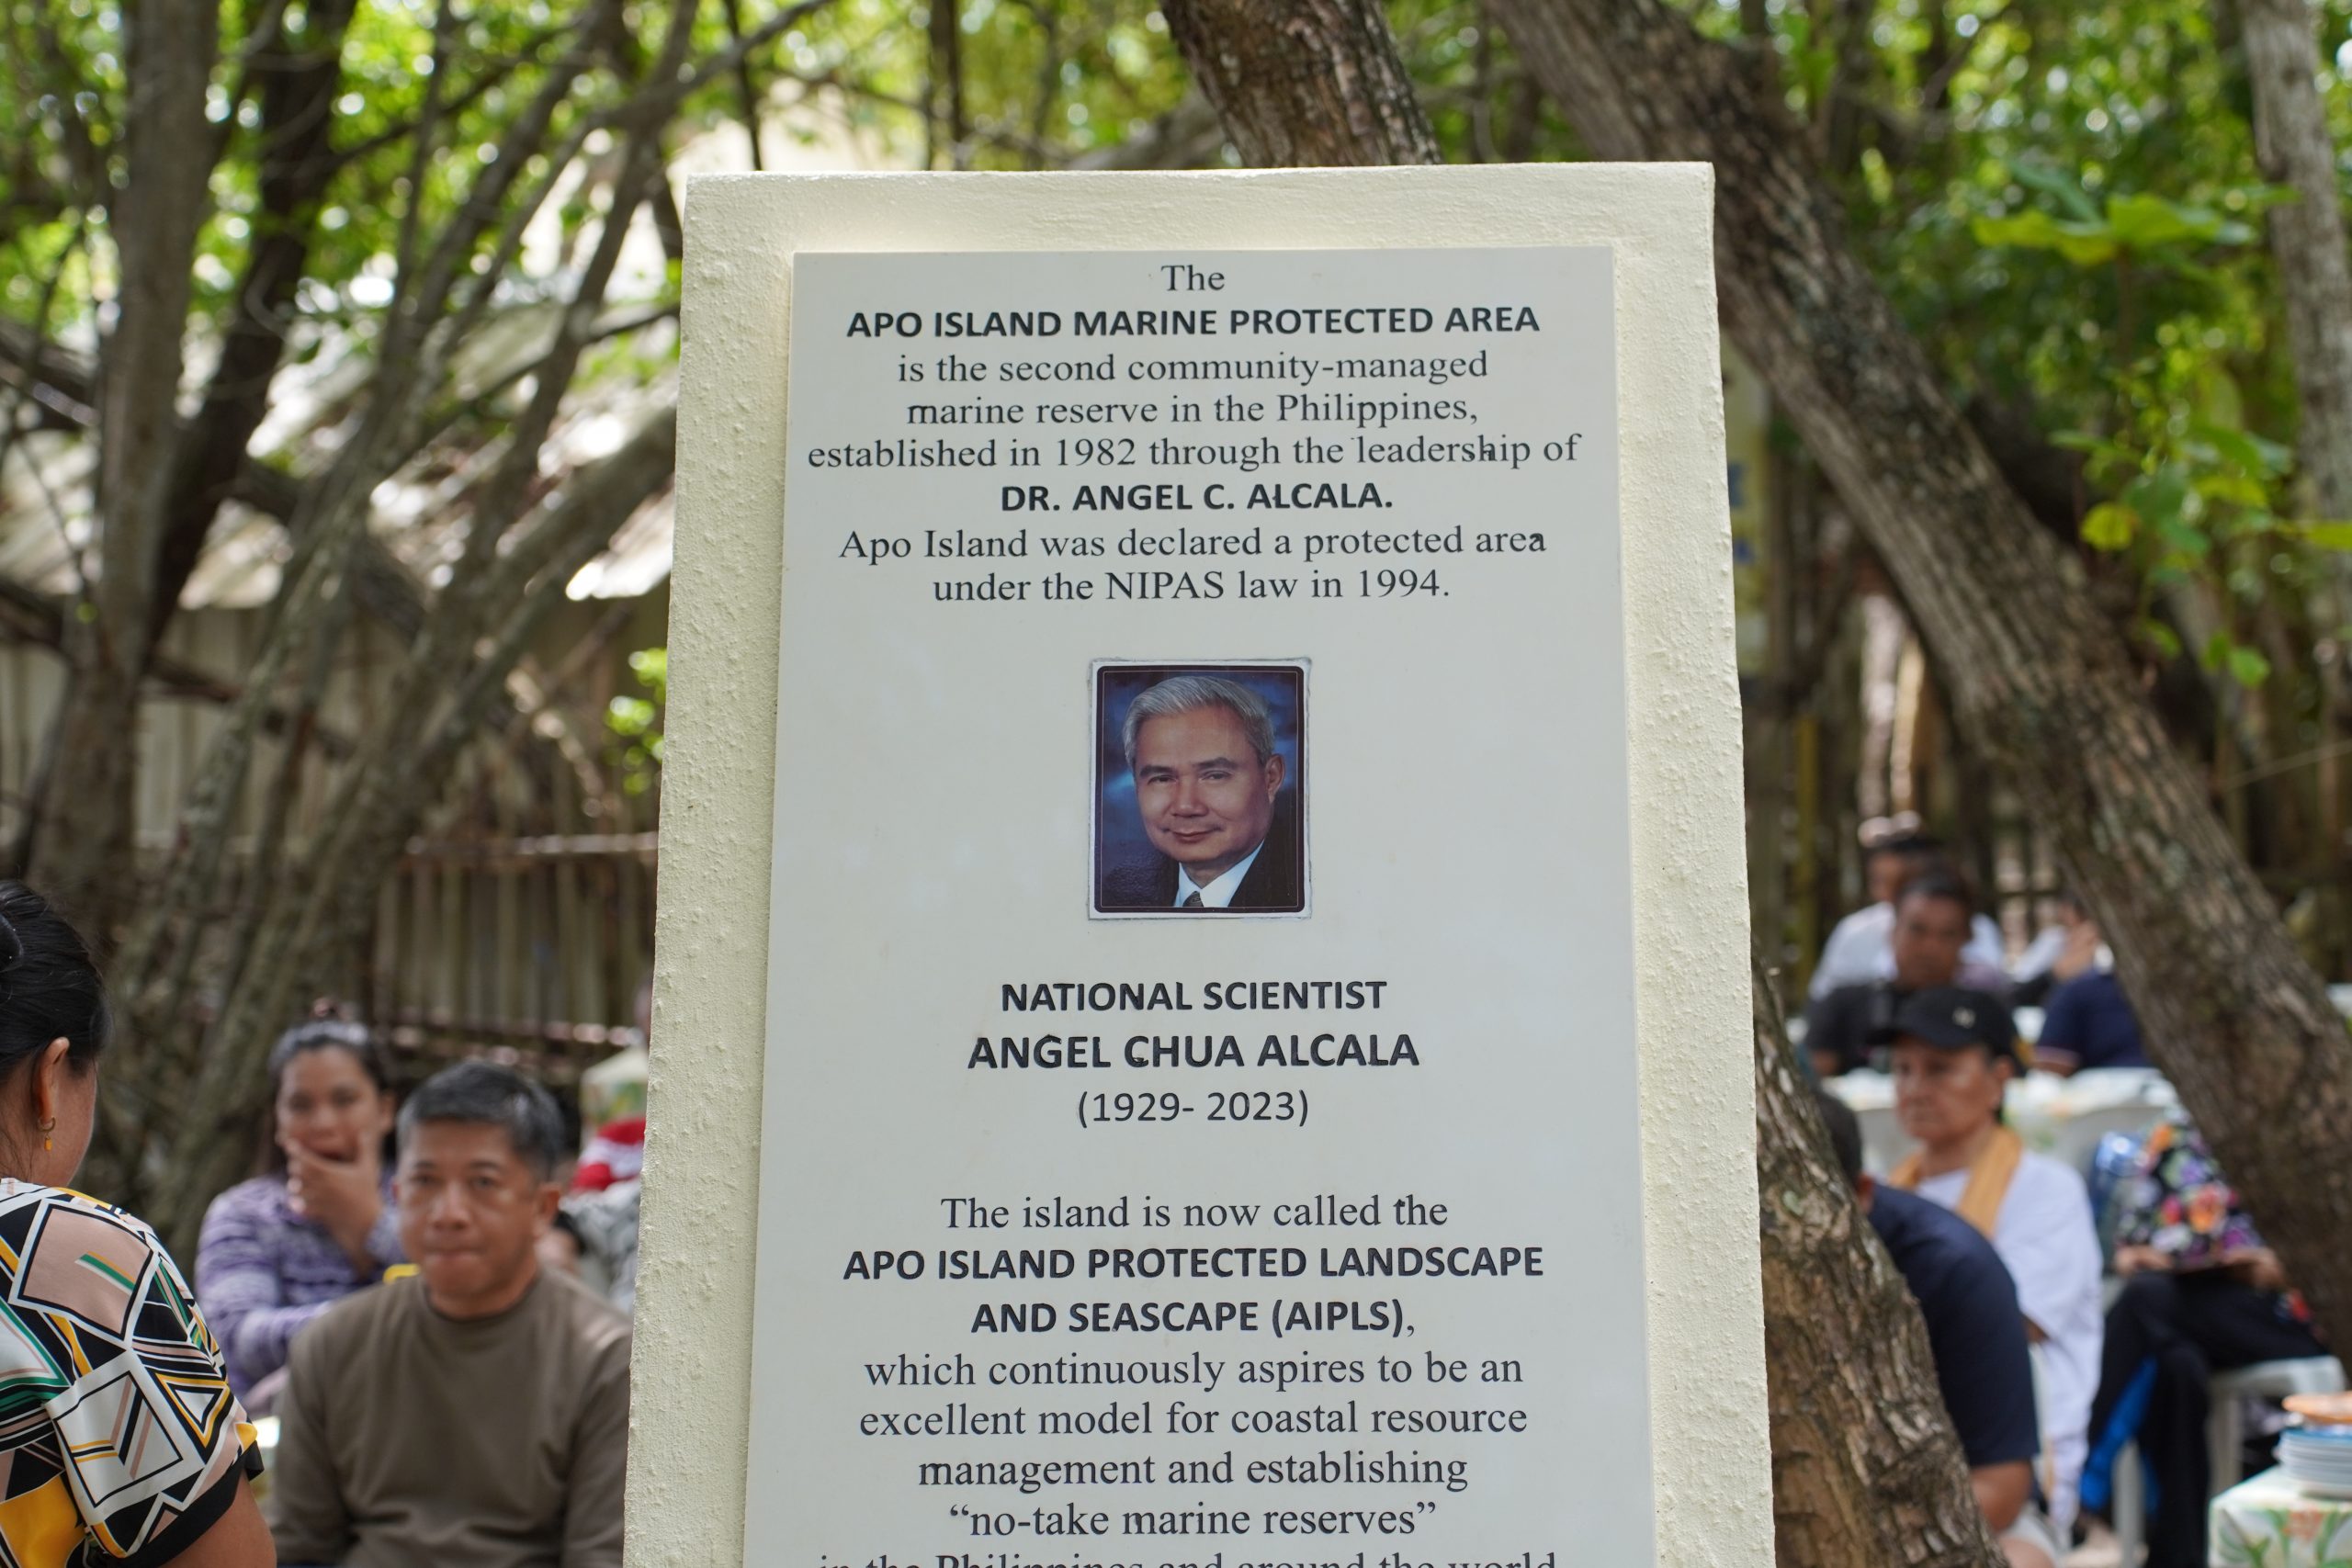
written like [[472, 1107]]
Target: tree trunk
[[297, 80], [1305, 83], [82, 848], [1866, 1470], [2293, 141], [2291, 137], [2230, 1013]]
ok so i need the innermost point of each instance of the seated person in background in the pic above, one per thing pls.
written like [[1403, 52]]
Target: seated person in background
[[2089, 1022], [1858, 952], [474, 1414], [600, 1211], [1954, 1052], [603, 1233], [1977, 1337], [1930, 929], [279, 1249], [2055, 954], [2201, 1292], [614, 1154]]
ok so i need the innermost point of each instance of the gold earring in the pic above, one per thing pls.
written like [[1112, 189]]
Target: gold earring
[[47, 1124]]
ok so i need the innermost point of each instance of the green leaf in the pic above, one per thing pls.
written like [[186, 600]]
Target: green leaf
[[2235, 447], [2144, 223], [2261, 197], [2161, 497], [2061, 187], [629, 715], [2220, 403], [2235, 489], [2110, 526], [2328, 536], [2096, 446], [2191, 543], [2161, 637], [2033, 229], [2085, 244]]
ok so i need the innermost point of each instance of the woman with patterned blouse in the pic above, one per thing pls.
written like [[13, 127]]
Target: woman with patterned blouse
[[119, 1438], [2202, 1293], [279, 1249]]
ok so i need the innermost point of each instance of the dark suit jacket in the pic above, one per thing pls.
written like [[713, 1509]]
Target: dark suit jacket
[[1276, 881]]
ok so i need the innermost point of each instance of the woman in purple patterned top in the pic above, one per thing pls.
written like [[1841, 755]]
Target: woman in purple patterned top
[[2201, 1293], [279, 1249]]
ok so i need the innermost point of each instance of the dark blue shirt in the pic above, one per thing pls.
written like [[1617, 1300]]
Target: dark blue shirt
[[1974, 1325], [2088, 1024]]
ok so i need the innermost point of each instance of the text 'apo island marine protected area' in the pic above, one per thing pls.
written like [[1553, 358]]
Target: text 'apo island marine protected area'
[[1197, 408]]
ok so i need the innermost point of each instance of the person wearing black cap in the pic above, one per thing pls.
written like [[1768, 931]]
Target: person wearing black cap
[[1976, 1337], [1953, 1052]]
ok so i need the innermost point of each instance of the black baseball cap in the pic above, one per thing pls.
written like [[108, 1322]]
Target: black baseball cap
[[1951, 1017]]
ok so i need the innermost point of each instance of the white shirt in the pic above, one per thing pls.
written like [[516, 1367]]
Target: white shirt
[[2041, 954], [2045, 1237], [1860, 949], [1217, 894]]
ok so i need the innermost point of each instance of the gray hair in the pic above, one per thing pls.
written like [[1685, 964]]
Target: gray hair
[[483, 1094], [1191, 693]]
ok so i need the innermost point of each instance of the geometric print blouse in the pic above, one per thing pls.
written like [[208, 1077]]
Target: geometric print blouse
[[116, 1420]]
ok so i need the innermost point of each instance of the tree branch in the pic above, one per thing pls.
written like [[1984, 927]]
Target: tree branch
[[296, 160]]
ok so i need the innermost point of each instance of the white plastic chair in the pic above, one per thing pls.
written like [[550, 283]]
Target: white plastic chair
[[2224, 1426], [2225, 1434]]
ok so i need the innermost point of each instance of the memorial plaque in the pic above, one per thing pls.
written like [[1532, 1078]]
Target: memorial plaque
[[1202, 1114], [1201, 1006]]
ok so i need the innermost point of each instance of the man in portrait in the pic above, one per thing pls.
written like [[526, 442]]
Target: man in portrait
[[1209, 788]]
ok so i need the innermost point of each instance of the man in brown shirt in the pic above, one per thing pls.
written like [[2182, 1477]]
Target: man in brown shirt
[[473, 1414]]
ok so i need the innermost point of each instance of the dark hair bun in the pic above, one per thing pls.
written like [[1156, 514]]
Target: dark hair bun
[[49, 988]]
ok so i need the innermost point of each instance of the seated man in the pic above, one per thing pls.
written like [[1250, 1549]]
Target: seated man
[[1855, 953], [473, 1414], [1931, 925], [1954, 1052], [1978, 1340], [2088, 1022]]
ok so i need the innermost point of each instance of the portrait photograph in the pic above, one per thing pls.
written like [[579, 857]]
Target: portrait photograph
[[1200, 789]]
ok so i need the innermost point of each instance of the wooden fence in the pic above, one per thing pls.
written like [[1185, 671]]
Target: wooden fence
[[522, 925], [532, 949]]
